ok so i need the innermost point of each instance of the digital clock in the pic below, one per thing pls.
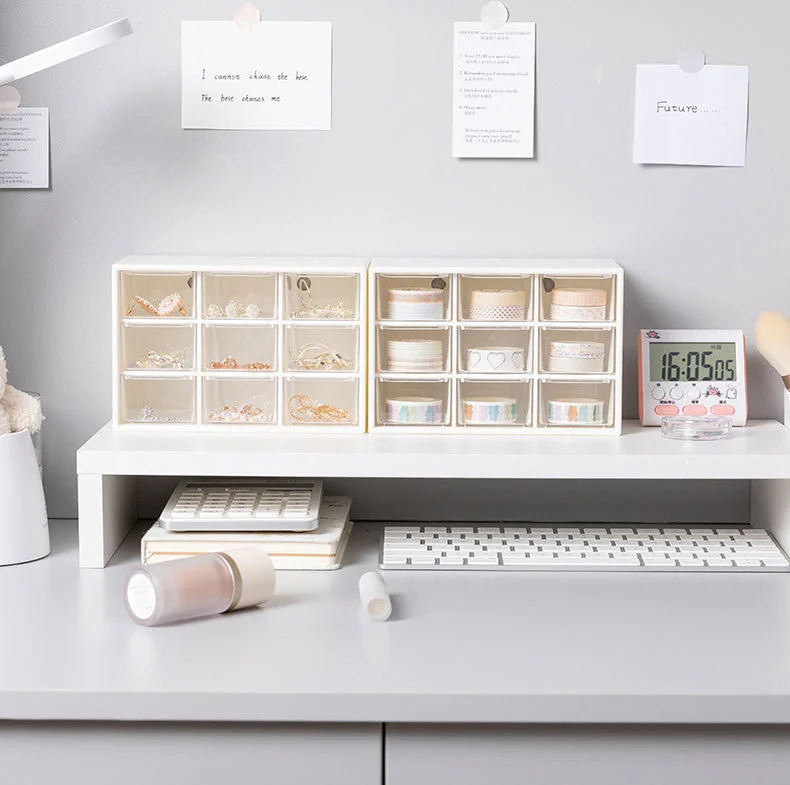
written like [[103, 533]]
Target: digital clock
[[692, 372]]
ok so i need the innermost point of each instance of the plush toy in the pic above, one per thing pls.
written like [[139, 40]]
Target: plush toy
[[18, 411]]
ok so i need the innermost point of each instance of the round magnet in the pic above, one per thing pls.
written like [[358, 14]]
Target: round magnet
[[494, 15], [10, 97], [691, 59], [246, 16]]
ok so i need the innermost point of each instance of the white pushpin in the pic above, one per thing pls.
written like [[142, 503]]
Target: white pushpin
[[494, 15], [65, 50], [247, 16], [374, 596], [691, 59]]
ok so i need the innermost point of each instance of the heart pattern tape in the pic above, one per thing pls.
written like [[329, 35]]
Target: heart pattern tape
[[495, 359]]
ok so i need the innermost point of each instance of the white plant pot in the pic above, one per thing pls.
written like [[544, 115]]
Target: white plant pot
[[24, 532]]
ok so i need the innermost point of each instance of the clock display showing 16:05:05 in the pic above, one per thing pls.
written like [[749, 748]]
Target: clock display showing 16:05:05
[[692, 362]]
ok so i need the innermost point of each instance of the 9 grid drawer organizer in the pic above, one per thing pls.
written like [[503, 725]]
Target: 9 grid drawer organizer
[[495, 346], [186, 327]]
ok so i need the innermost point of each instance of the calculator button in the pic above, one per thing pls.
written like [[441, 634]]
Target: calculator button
[[695, 409], [722, 410], [666, 410]]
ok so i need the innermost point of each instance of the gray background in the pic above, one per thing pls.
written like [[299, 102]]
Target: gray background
[[701, 248]]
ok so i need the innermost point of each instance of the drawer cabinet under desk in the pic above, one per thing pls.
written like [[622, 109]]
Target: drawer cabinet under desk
[[199, 753], [586, 755]]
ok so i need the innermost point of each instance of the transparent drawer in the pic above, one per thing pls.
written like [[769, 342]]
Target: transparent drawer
[[231, 296], [325, 402], [239, 401], [577, 298], [576, 404], [322, 349], [321, 296], [407, 350], [495, 299], [157, 295], [237, 348], [494, 404], [495, 350], [157, 401], [572, 351], [155, 348], [409, 298], [410, 403]]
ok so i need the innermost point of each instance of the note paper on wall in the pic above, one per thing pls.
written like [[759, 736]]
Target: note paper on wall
[[24, 148], [693, 119], [277, 76], [494, 91]]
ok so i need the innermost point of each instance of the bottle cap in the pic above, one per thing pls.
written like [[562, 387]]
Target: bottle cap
[[254, 575]]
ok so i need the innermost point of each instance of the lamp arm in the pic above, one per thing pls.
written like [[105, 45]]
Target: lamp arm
[[65, 50]]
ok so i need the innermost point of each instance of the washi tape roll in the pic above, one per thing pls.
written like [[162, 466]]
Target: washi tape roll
[[411, 355], [414, 410], [495, 359], [578, 305], [488, 410], [416, 304], [576, 411], [498, 305], [576, 356]]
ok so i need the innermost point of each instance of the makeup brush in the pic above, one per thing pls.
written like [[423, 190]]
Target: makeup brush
[[772, 333]]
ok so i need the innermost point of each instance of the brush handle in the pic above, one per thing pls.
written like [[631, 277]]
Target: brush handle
[[786, 380]]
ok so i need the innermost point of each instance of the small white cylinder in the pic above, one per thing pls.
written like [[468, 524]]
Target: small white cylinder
[[374, 597]]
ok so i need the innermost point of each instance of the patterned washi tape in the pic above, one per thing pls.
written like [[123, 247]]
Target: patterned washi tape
[[416, 304], [576, 411], [497, 305], [414, 410], [578, 305], [489, 410], [495, 359], [576, 356], [415, 356]]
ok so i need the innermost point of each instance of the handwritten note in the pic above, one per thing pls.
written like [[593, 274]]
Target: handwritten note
[[24, 148], [494, 91], [691, 119], [277, 76]]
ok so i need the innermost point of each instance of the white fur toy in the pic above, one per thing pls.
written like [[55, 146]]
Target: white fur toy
[[18, 411]]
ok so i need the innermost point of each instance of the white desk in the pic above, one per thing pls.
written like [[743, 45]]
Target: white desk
[[479, 677]]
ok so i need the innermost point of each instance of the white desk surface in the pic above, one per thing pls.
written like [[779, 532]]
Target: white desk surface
[[757, 451], [480, 647]]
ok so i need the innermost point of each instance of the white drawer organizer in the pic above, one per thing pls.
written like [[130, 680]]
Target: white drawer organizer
[[274, 316], [475, 346]]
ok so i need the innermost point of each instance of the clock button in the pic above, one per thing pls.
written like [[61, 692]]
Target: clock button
[[666, 410], [658, 393], [695, 393], [677, 393], [723, 410], [732, 392], [695, 409]]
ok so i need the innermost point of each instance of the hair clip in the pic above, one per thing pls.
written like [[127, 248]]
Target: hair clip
[[230, 364], [168, 306], [304, 409], [319, 357], [233, 310]]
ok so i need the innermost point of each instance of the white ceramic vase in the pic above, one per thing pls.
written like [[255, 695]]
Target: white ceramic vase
[[24, 532]]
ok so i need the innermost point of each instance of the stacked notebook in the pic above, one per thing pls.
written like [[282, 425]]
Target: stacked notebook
[[319, 549]]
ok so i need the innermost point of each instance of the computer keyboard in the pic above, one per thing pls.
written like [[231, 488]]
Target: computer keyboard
[[598, 548]]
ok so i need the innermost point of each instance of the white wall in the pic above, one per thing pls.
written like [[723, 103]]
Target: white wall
[[701, 248]]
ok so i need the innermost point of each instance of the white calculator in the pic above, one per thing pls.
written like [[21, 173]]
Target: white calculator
[[253, 505]]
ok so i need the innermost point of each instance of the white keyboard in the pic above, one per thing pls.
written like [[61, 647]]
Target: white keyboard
[[243, 505], [602, 548]]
